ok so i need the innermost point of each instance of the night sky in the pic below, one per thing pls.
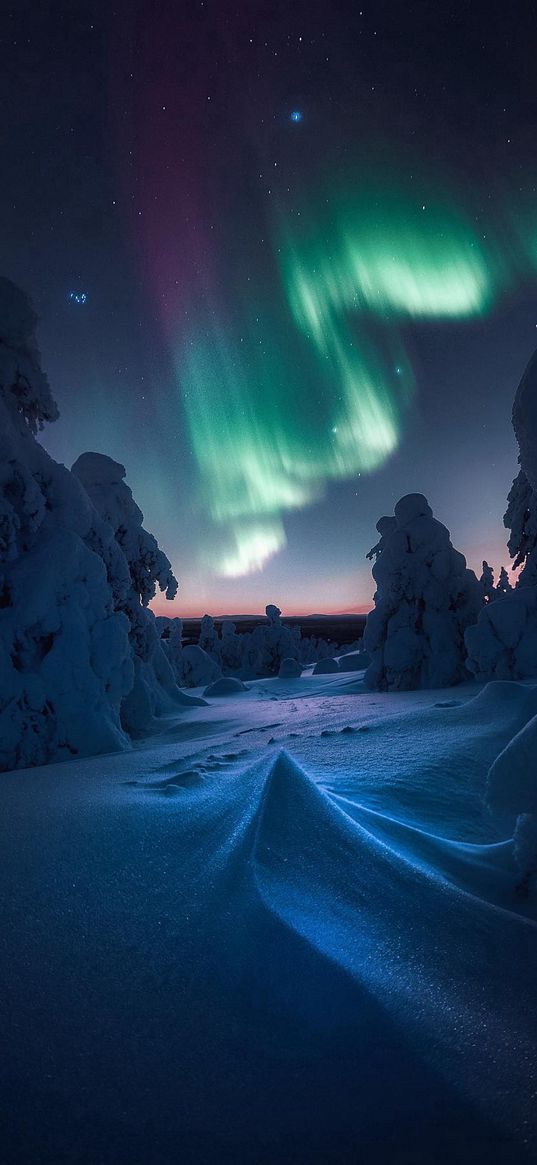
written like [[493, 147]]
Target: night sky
[[285, 262]]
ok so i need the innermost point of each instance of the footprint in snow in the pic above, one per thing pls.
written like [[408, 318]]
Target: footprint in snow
[[171, 785], [261, 728]]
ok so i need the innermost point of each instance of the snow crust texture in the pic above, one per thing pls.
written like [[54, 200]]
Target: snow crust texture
[[275, 952]]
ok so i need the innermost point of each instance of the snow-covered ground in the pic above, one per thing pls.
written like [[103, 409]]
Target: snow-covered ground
[[284, 930]]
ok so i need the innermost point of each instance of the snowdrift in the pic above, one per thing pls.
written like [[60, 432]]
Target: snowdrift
[[248, 955]]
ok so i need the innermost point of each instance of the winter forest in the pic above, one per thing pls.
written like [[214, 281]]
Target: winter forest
[[280, 850], [268, 583]]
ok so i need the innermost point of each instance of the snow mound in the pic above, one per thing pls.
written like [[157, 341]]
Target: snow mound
[[226, 686], [334, 926], [325, 667], [503, 642], [512, 796], [354, 661], [512, 779], [290, 669], [199, 669]]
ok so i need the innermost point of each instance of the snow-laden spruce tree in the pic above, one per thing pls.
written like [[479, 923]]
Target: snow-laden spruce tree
[[146, 568], [171, 638], [507, 645], [486, 583], [208, 640], [426, 598], [503, 586], [230, 647], [65, 658], [275, 641], [521, 520], [503, 644]]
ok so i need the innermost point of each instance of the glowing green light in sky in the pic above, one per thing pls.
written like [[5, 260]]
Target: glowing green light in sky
[[279, 402], [389, 255], [253, 547], [266, 438]]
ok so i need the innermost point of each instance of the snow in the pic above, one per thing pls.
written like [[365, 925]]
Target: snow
[[285, 929], [295, 926]]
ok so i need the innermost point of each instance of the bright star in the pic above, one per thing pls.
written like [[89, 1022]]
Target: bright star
[[77, 296], [296, 115]]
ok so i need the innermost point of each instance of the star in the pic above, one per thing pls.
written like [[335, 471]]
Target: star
[[296, 115], [77, 296]]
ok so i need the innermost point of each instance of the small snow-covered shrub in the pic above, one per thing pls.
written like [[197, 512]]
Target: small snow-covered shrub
[[198, 667], [325, 667], [231, 648], [226, 686], [503, 643], [290, 669], [425, 599], [208, 640], [354, 661], [171, 639], [275, 642]]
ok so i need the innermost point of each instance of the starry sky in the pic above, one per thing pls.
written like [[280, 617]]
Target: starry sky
[[285, 262]]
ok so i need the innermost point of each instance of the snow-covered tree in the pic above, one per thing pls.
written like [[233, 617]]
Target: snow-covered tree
[[276, 642], [155, 689], [510, 646], [503, 586], [486, 583], [426, 598], [521, 519], [385, 527], [231, 649], [65, 658], [208, 640], [503, 644], [171, 638]]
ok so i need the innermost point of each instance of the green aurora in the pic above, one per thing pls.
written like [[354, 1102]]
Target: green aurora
[[316, 388]]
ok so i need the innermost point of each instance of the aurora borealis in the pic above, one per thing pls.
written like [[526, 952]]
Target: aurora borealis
[[261, 449], [307, 246]]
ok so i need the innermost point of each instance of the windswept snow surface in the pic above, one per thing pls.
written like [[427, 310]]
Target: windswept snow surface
[[285, 931]]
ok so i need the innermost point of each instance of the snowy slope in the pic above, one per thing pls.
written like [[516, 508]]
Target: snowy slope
[[285, 931]]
